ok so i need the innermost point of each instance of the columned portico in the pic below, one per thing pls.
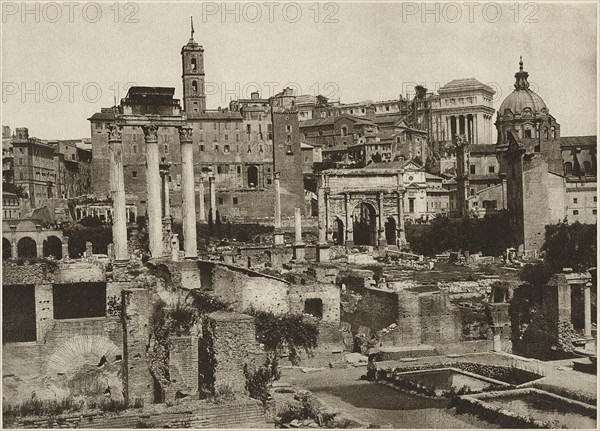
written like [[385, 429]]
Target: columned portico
[[188, 193], [201, 210], [153, 192], [117, 191]]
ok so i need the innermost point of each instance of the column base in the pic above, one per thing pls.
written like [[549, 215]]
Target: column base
[[382, 243], [278, 238], [299, 252], [323, 253]]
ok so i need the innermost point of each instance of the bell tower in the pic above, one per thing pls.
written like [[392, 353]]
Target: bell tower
[[192, 59]]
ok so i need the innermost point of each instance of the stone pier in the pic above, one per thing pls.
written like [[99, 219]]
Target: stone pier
[[278, 233], [117, 191], [188, 193], [587, 309], [153, 186]]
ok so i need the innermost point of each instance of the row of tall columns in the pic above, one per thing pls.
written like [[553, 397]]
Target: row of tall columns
[[462, 125], [117, 191], [157, 190]]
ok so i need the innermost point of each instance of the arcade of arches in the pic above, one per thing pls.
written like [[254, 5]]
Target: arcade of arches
[[27, 240], [361, 208]]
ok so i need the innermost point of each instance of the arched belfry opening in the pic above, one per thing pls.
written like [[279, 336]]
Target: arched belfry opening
[[365, 224], [338, 232]]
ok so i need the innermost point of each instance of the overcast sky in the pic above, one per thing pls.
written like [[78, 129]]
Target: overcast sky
[[52, 71]]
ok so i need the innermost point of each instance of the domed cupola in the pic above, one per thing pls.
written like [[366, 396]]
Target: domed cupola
[[522, 100], [524, 114]]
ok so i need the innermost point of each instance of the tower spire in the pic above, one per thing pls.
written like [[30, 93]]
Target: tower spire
[[192, 28], [520, 58]]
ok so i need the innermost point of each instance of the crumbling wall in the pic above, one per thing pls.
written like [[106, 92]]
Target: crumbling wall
[[373, 308], [228, 342], [328, 293]]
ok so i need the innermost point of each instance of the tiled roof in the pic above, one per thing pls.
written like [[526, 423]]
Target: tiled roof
[[484, 149], [102, 116], [577, 141], [463, 84]]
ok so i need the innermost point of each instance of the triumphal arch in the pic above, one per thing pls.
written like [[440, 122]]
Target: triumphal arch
[[361, 207]]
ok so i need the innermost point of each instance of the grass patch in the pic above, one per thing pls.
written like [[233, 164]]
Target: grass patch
[[37, 407]]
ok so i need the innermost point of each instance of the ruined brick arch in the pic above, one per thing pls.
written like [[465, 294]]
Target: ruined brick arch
[[83, 350]]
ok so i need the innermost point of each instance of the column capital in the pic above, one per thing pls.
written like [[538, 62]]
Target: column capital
[[185, 134], [150, 132], [114, 132]]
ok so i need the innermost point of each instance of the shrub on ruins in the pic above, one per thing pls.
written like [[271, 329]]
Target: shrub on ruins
[[38, 407], [570, 246], [490, 235], [88, 230]]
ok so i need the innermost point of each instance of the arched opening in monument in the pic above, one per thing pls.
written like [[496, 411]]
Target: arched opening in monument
[[26, 247], [6, 249], [338, 232], [252, 176], [53, 247], [390, 231], [365, 227]]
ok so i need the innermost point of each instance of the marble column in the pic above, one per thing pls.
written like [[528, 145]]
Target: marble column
[[298, 247], [401, 232], [166, 197], [382, 241], [322, 211], [587, 309], [213, 196], [278, 233], [188, 206], [201, 211], [117, 192], [297, 226], [153, 198], [349, 224]]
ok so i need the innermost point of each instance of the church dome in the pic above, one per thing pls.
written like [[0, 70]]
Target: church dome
[[522, 97]]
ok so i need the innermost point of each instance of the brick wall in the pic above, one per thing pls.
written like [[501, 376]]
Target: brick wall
[[241, 414], [231, 341]]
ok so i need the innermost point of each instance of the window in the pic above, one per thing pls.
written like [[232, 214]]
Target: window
[[344, 131], [595, 199], [194, 86], [574, 200], [79, 300], [587, 168], [237, 137], [200, 125], [134, 149], [134, 174], [195, 109], [492, 169], [248, 128], [226, 137], [594, 211], [214, 126], [472, 192], [201, 147], [472, 169], [215, 137], [568, 168], [235, 200], [575, 212], [528, 133], [216, 148], [18, 310], [220, 201], [219, 170], [238, 169], [226, 149], [201, 137], [193, 64], [166, 149], [553, 132]]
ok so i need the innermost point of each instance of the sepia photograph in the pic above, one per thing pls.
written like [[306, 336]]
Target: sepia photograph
[[299, 214]]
